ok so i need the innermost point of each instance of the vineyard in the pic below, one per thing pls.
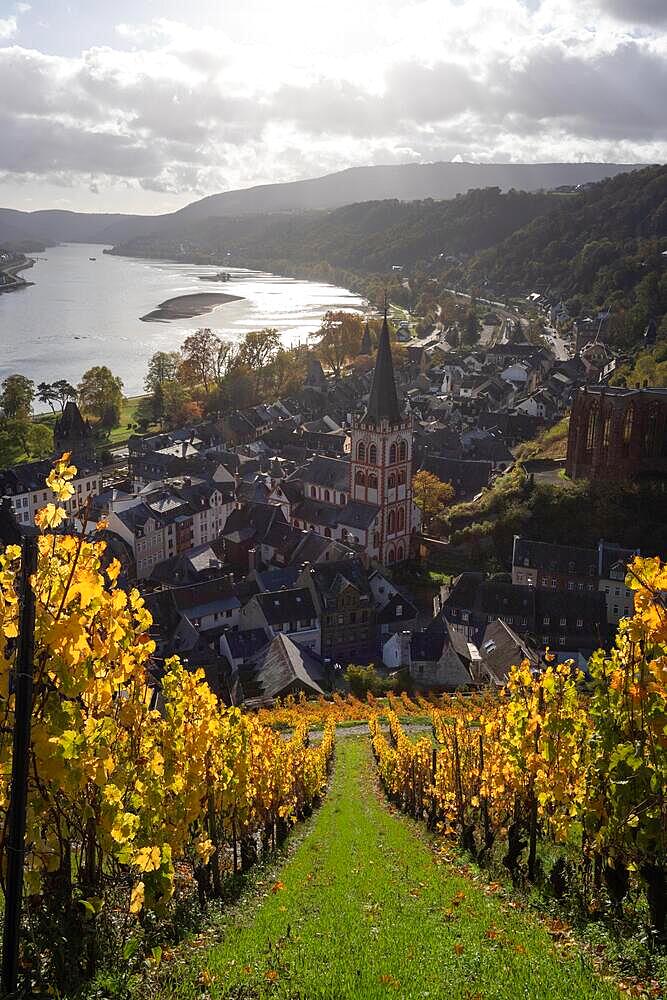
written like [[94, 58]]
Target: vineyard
[[578, 764], [147, 798]]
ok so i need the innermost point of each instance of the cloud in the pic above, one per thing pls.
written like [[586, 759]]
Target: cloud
[[169, 109], [7, 27], [652, 12]]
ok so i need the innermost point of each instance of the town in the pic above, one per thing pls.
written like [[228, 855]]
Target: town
[[275, 545]]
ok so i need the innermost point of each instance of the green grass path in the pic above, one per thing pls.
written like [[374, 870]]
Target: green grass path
[[366, 913]]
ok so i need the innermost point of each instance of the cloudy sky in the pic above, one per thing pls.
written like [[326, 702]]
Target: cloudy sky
[[145, 105]]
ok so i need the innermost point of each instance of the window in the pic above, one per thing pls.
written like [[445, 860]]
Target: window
[[372, 455], [464, 616], [570, 585], [391, 556], [327, 532], [421, 668], [546, 620], [399, 610], [359, 478], [563, 622], [561, 640], [392, 455], [402, 451], [372, 481], [509, 620], [391, 522], [401, 477], [399, 553], [391, 484], [401, 519], [313, 491], [326, 496], [361, 452], [580, 622], [553, 584]]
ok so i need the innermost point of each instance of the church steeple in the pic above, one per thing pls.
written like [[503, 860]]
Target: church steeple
[[366, 345], [383, 400]]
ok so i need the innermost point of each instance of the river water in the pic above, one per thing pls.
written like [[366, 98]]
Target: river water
[[80, 312]]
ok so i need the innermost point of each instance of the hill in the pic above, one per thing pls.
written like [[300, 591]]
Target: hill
[[406, 182], [604, 247], [367, 237]]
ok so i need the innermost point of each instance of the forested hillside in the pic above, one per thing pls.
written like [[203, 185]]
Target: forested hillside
[[601, 248], [369, 236]]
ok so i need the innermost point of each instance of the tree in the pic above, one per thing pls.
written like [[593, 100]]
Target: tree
[[431, 496], [101, 395], [338, 339], [47, 394], [17, 395], [162, 367], [11, 447], [470, 329], [200, 353], [63, 392]]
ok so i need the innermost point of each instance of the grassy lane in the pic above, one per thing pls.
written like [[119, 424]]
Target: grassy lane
[[362, 912]]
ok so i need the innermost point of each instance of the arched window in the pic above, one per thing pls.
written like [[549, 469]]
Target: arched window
[[359, 478], [392, 481], [606, 432], [343, 499], [344, 534], [373, 455], [627, 426], [392, 455], [402, 451], [390, 556], [399, 553], [361, 452], [401, 477], [651, 435], [327, 532], [391, 522], [372, 481], [376, 539], [592, 427], [326, 496], [313, 491], [401, 519]]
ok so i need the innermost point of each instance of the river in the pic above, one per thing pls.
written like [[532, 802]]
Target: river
[[81, 312]]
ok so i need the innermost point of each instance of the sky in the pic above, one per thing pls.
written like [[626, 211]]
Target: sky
[[144, 106]]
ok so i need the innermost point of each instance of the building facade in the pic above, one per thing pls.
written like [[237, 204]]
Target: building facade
[[381, 462], [617, 433]]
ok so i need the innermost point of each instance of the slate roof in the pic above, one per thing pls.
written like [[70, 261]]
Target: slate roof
[[501, 648], [563, 559], [467, 476], [283, 664], [383, 401], [291, 605], [324, 471], [330, 577]]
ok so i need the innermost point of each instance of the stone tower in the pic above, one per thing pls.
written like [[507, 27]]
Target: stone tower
[[381, 461]]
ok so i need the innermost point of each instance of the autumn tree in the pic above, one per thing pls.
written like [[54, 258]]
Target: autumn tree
[[162, 367], [63, 391], [101, 395], [338, 339], [199, 353], [431, 496], [17, 395]]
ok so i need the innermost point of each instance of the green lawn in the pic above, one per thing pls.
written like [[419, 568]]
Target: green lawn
[[118, 435], [362, 911]]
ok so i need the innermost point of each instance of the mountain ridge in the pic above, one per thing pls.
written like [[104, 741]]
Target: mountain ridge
[[407, 182]]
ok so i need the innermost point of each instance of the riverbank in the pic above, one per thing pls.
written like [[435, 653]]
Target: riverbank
[[11, 276], [188, 306]]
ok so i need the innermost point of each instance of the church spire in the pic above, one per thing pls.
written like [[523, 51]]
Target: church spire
[[383, 401]]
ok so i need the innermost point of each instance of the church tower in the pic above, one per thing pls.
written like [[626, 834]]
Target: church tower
[[381, 462]]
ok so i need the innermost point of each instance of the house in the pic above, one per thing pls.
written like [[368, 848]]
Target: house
[[563, 619], [283, 668], [502, 648], [290, 611], [395, 611], [468, 476], [434, 660], [344, 600], [26, 487], [576, 569]]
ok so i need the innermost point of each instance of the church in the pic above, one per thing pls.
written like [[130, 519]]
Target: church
[[366, 501], [382, 443]]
